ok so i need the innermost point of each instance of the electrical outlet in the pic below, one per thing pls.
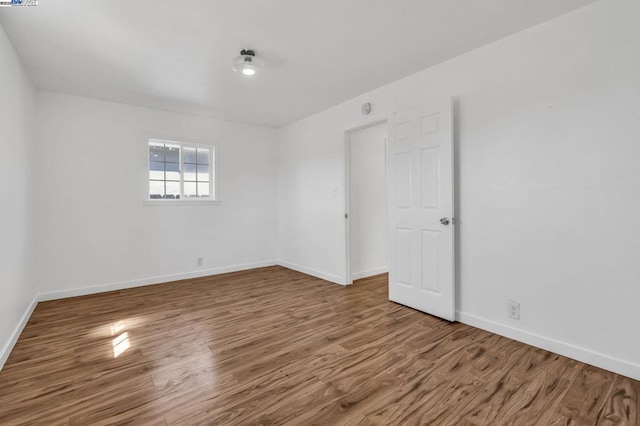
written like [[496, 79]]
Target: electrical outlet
[[199, 261], [513, 309]]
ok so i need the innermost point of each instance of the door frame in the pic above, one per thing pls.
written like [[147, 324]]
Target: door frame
[[361, 125]]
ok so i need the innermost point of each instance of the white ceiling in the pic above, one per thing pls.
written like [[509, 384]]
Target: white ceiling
[[177, 56]]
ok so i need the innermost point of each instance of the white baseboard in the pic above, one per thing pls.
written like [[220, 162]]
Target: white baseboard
[[8, 347], [322, 275], [369, 273], [588, 356], [43, 297]]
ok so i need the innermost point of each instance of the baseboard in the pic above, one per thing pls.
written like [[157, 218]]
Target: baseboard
[[623, 367], [369, 273], [43, 297], [8, 347], [322, 275]]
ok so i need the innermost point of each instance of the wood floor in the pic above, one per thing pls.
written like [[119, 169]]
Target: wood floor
[[273, 346]]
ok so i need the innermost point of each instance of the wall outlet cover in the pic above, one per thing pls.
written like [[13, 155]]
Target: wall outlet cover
[[513, 309]]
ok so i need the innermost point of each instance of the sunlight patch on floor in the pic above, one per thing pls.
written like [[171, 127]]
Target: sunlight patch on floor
[[120, 344]]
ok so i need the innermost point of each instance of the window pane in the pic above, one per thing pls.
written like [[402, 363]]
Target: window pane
[[179, 172], [156, 189], [156, 153], [189, 171], [156, 170], [190, 189], [203, 173], [203, 156], [173, 190], [189, 155], [172, 154], [203, 189], [173, 171]]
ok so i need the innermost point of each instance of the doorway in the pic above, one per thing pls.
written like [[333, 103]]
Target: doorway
[[415, 224], [367, 202]]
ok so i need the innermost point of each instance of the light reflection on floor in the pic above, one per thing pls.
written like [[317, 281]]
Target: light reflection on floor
[[121, 343], [117, 327]]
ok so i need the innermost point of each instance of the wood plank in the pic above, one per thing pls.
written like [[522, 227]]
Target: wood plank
[[585, 399], [274, 346]]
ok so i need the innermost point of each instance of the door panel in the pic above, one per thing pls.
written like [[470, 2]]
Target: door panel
[[403, 180], [420, 181], [430, 257], [429, 174], [403, 255]]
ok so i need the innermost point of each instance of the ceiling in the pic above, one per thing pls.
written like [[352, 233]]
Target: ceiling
[[177, 56]]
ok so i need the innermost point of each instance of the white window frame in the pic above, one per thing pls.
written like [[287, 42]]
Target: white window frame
[[213, 174]]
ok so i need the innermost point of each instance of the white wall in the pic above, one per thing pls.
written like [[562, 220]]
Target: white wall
[[92, 227], [548, 182], [16, 238], [367, 202]]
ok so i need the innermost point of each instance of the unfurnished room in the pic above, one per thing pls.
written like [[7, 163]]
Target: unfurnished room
[[340, 212]]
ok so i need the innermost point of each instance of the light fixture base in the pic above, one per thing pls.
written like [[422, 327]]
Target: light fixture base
[[247, 64]]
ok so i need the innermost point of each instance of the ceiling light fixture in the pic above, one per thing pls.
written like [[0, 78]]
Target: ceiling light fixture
[[246, 63]]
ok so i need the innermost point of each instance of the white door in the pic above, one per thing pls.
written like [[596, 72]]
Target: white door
[[420, 188]]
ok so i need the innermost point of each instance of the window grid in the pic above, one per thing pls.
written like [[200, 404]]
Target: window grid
[[161, 153], [197, 164]]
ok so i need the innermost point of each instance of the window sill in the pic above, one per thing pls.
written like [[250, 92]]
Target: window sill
[[172, 203]]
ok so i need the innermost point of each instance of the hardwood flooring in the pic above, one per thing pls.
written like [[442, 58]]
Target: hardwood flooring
[[273, 346]]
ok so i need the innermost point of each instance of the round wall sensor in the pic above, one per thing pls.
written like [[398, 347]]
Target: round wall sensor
[[366, 108]]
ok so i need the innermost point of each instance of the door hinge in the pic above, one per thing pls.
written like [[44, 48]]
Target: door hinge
[[346, 216]]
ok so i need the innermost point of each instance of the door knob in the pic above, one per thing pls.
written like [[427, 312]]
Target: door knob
[[444, 221]]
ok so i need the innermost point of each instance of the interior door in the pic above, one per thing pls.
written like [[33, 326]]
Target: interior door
[[420, 187]]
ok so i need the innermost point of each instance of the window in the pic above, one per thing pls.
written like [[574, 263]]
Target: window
[[180, 171]]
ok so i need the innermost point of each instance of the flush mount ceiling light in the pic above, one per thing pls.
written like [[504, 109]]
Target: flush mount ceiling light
[[247, 63]]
